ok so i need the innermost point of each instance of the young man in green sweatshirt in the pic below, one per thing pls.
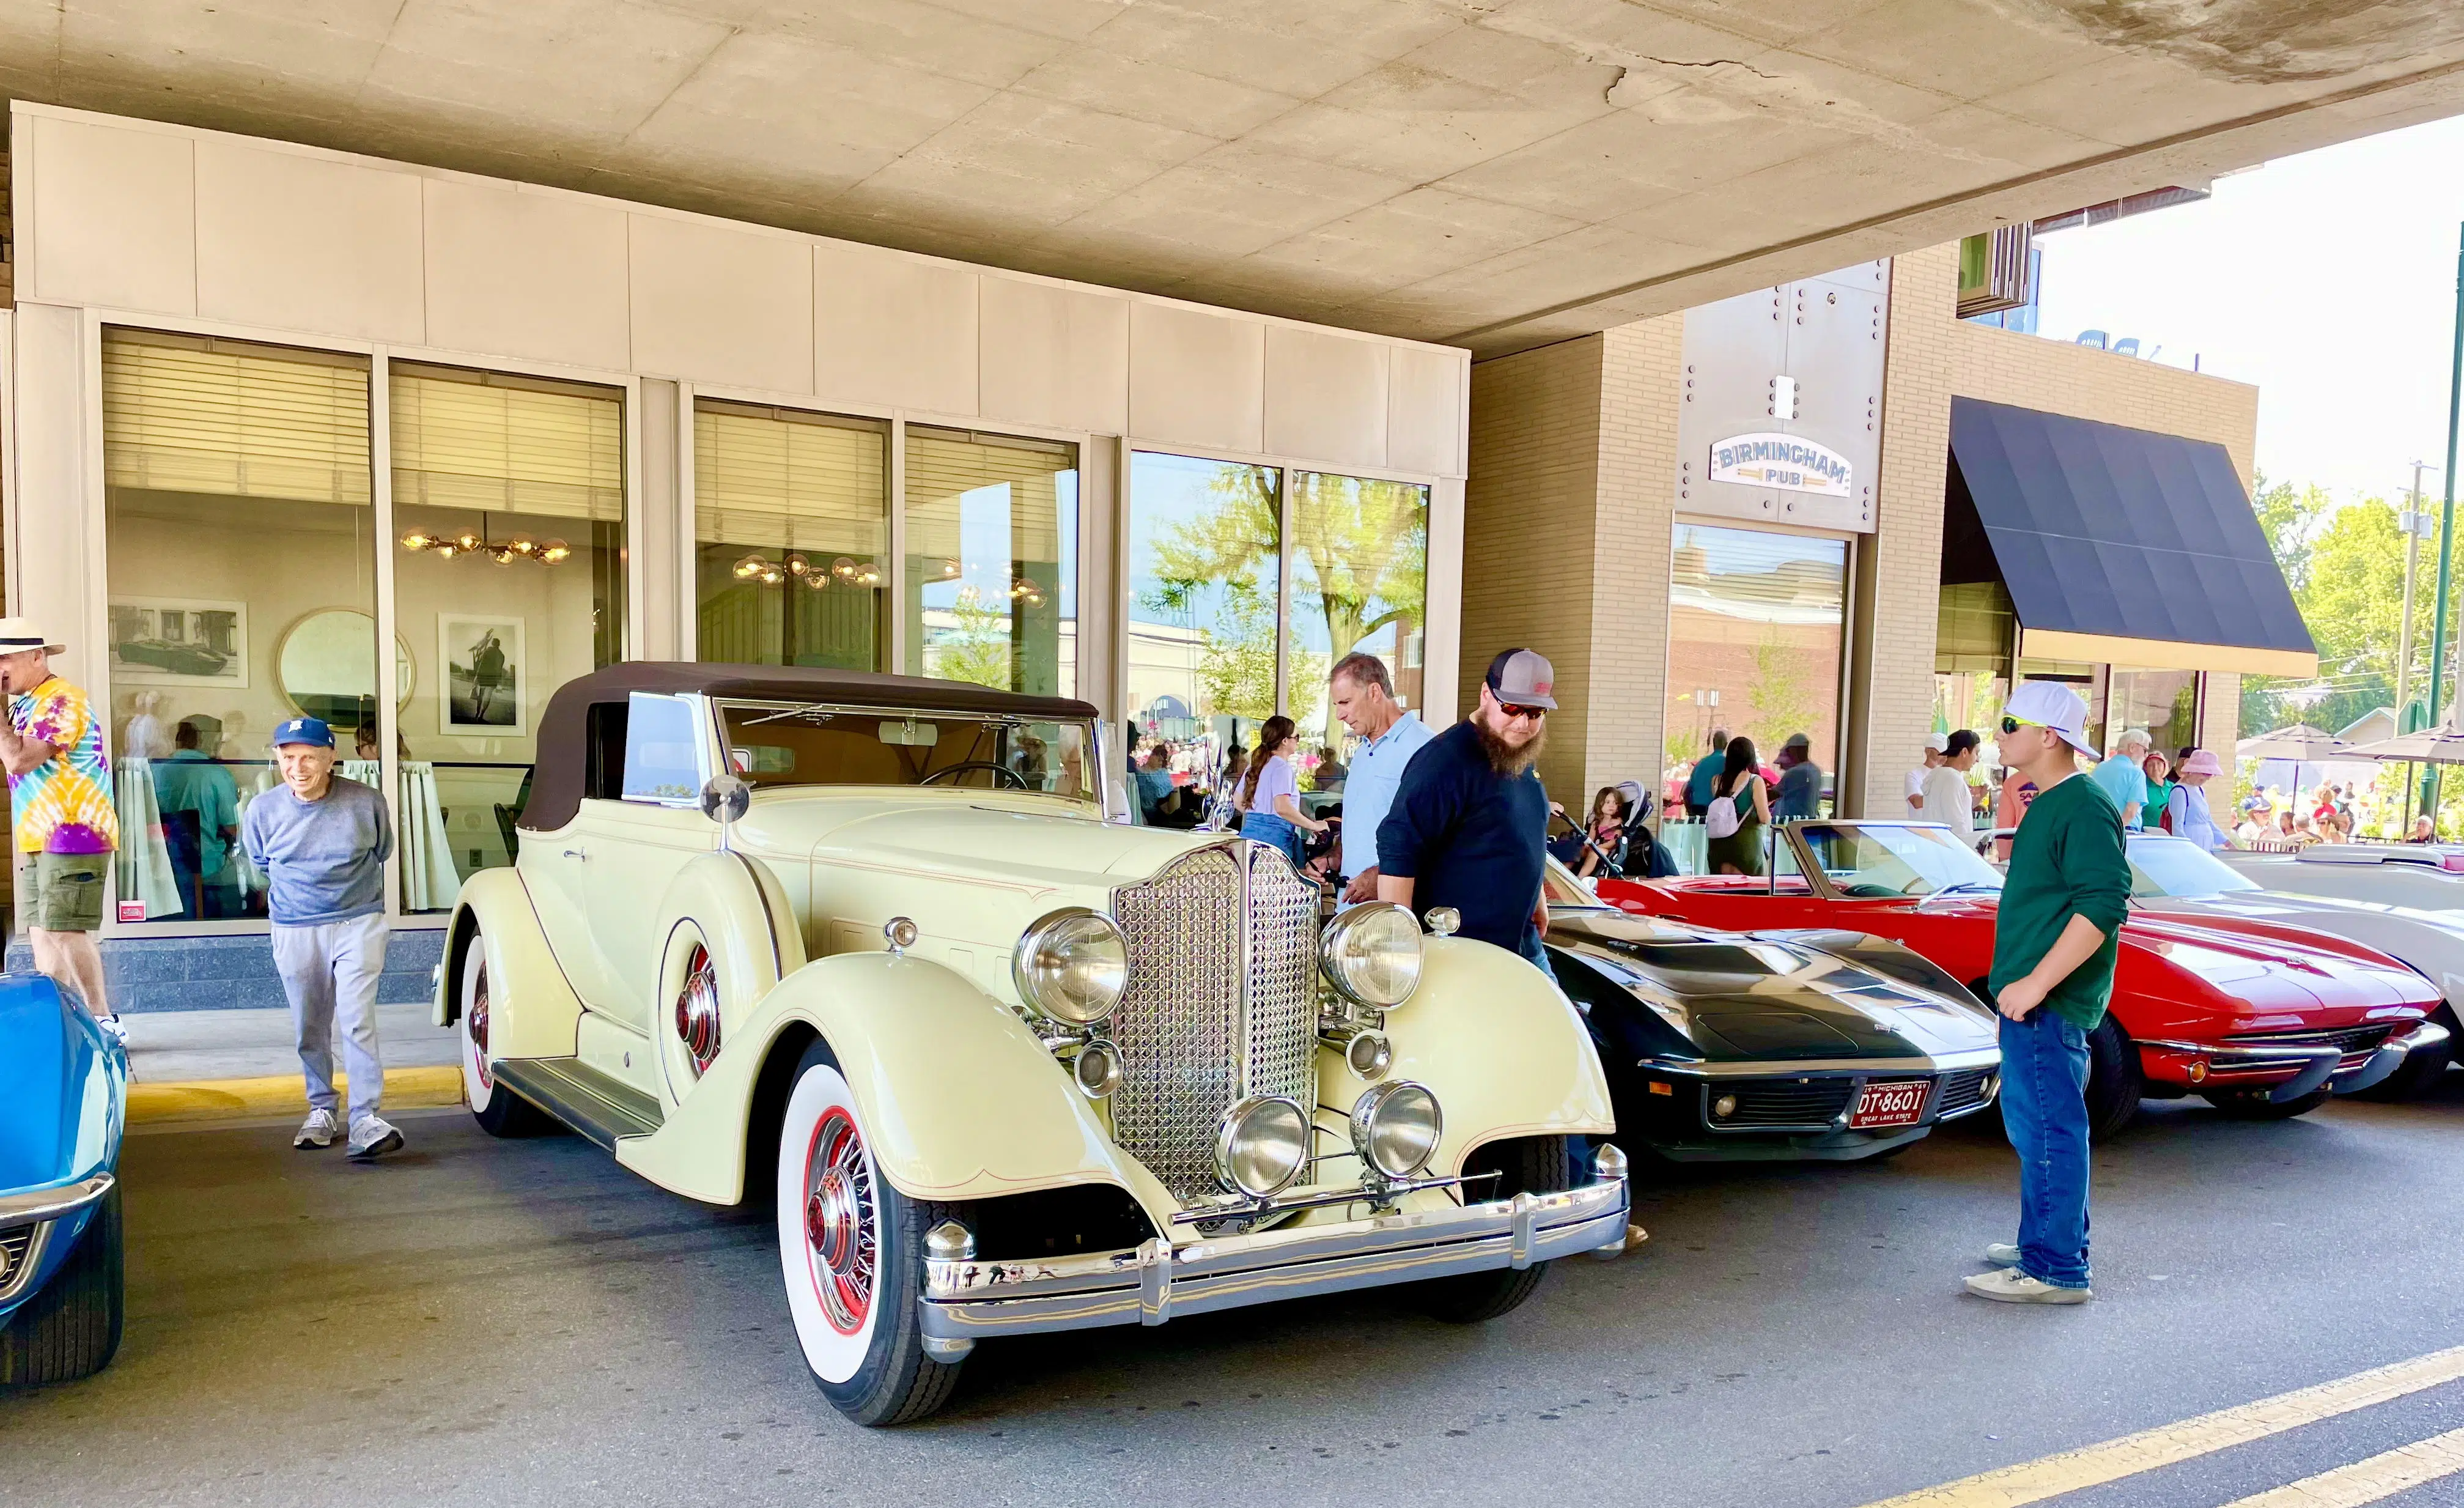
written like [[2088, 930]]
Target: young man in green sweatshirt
[[2055, 939]]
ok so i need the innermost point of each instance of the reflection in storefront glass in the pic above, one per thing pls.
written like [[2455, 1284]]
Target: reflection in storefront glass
[[992, 561], [2166, 702], [239, 531], [1754, 626], [1205, 544], [791, 537], [1361, 552], [509, 580]]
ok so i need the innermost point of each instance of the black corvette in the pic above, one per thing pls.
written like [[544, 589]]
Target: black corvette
[[1768, 1046]]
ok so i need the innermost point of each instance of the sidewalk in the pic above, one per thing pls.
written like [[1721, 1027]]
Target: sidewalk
[[233, 1064]]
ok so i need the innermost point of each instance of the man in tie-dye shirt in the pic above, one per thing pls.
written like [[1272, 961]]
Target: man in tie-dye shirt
[[59, 798]]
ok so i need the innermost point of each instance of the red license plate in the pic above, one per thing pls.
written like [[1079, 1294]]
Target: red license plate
[[1895, 1104]]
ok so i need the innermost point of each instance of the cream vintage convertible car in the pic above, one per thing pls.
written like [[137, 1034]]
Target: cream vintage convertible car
[[871, 943]]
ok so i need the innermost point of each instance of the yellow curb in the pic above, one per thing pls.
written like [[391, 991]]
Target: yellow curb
[[241, 1098]]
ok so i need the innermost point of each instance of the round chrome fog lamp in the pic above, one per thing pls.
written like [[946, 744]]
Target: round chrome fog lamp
[[1261, 1145], [1395, 1128], [1097, 1069], [1371, 953], [1366, 1053], [1072, 966]]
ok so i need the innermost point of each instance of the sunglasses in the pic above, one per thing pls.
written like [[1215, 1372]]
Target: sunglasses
[[2014, 725], [1513, 710]]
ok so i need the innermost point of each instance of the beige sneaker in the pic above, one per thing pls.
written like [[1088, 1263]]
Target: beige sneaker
[[2011, 1286]]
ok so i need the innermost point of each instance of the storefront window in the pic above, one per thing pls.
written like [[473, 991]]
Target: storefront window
[[791, 537], [1361, 550], [992, 560], [1205, 573], [240, 529], [1754, 624], [2166, 702], [509, 580]]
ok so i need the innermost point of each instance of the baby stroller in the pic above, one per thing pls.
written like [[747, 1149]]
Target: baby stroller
[[1637, 855]]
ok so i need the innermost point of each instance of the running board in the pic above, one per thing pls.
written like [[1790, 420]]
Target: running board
[[596, 1106]]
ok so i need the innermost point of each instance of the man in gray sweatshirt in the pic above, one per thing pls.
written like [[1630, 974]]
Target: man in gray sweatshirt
[[322, 841]]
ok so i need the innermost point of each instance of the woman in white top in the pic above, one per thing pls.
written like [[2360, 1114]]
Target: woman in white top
[[1271, 808]]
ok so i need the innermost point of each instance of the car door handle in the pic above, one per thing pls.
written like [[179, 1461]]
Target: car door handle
[[575, 853]]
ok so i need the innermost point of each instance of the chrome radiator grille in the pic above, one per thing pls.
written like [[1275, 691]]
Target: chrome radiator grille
[[1221, 1003]]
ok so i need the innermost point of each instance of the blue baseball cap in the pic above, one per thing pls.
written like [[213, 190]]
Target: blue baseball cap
[[304, 730]]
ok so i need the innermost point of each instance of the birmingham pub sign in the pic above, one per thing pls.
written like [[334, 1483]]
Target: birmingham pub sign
[[1788, 462]]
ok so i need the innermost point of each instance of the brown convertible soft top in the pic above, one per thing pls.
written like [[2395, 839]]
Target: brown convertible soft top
[[560, 777]]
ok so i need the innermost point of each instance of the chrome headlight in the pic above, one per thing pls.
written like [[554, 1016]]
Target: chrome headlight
[[1395, 1128], [1371, 953], [1261, 1145], [1072, 966]]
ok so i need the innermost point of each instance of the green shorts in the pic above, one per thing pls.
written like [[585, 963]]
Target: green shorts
[[62, 892]]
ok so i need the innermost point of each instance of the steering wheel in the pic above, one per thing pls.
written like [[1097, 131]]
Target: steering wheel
[[1016, 782], [1869, 892]]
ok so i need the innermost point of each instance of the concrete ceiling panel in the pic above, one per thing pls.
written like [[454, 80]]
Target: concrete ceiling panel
[[1284, 154], [1158, 92]]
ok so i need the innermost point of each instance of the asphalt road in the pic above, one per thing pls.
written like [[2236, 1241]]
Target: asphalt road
[[522, 1322]]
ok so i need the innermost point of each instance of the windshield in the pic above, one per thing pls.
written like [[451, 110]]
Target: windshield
[[1869, 863], [2161, 866], [786, 744]]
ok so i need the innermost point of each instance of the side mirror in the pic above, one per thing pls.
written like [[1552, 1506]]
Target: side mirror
[[725, 799]]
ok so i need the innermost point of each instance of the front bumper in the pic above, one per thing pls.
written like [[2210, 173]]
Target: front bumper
[[30, 1221], [2288, 1070], [966, 1299], [1671, 1105]]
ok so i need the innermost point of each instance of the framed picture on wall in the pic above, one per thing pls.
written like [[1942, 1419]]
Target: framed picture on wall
[[178, 641], [486, 675]]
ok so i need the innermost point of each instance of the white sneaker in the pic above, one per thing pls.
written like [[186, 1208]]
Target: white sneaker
[[372, 1139], [2002, 1254], [317, 1131], [113, 1028], [2010, 1286]]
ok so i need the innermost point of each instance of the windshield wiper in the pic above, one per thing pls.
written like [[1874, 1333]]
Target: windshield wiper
[[813, 715], [1966, 884]]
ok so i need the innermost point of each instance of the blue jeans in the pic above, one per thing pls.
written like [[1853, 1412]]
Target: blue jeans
[[2044, 1109], [1272, 829]]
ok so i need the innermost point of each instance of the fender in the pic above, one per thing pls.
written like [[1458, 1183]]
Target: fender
[[732, 905], [959, 1099], [1504, 1049], [532, 1011]]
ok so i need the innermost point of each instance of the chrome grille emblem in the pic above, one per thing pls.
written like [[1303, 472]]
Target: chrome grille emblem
[[1221, 1002]]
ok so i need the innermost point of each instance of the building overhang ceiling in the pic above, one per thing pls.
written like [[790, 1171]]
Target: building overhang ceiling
[[1495, 173]]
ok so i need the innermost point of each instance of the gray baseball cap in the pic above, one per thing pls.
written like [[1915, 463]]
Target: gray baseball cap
[[1523, 677]]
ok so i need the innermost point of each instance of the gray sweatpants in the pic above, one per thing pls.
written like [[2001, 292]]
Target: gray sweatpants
[[330, 973]]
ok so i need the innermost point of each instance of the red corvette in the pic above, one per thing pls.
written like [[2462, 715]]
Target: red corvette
[[2261, 1019]]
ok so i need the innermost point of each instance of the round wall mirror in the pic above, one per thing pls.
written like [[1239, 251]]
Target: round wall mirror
[[327, 668]]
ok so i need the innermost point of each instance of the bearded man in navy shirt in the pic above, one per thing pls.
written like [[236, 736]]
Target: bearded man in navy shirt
[[1469, 827]]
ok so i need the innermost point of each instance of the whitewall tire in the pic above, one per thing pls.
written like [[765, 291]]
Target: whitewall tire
[[850, 1257], [498, 1111]]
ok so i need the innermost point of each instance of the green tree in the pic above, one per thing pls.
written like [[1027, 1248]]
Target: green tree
[[1781, 700], [1360, 556], [2346, 570], [978, 649], [1237, 666]]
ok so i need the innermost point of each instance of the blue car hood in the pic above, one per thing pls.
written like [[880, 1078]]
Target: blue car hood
[[63, 1088]]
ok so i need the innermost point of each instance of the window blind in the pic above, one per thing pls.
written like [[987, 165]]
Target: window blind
[[191, 414], [773, 479], [944, 465], [501, 444]]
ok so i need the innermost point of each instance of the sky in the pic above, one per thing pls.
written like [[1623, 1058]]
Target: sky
[[2328, 280]]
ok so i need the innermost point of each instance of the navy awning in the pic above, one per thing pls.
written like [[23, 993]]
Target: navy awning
[[2125, 545]]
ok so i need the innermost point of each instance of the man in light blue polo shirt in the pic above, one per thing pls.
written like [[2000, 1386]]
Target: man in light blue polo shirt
[[1364, 698], [2124, 778]]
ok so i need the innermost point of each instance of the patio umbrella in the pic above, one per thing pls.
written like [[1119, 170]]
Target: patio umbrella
[[2443, 744], [2301, 743]]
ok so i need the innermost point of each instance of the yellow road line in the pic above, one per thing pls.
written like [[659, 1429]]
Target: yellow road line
[[2094, 1465], [240, 1098], [2383, 1476]]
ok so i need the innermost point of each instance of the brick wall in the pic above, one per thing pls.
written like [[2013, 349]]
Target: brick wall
[[1530, 508], [1641, 373]]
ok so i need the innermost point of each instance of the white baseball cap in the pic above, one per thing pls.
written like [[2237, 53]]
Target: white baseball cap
[[2050, 704], [1938, 743]]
